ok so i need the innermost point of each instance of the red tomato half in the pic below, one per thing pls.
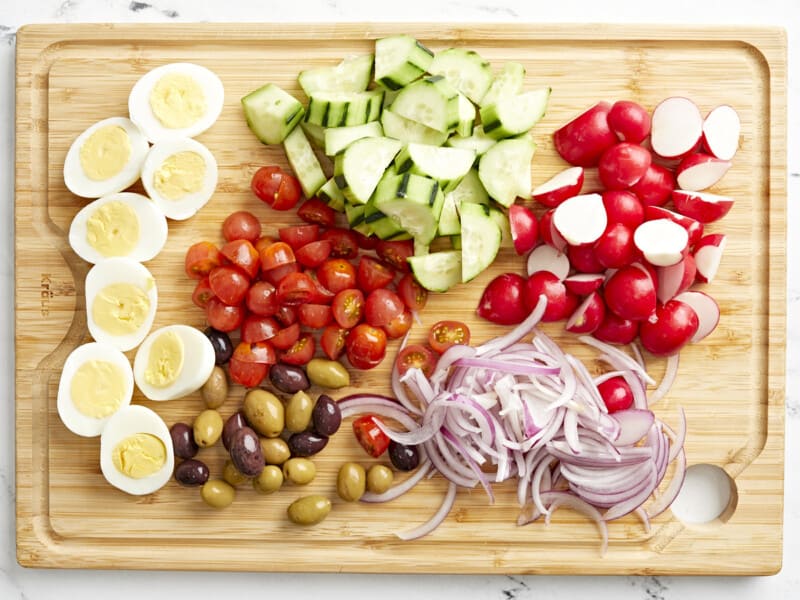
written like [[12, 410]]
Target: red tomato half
[[396, 254], [332, 341], [229, 284], [248, 374], [416, 356], [275, 187], [316, 211], [300, 352], [448, 333], [399, 326], [348, 308], [286, 337], [344, 243], [371, 437], [365, 346], [276, 255], [262, 299], [315, 316], [241, 225], [200, 259], [258, 329], [257, 352], [202, 293], [337, 274], [299, 235], [373, 274], [413, 295], [276, 275], [222, 316], [313, 254], [382, 306], [244, 255], [295, 289]]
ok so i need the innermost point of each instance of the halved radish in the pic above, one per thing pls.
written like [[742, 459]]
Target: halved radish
[[548, 232], [708, 254], [655, 186], [560, 301], [629, 121], [584, 284], [677, 126], [693, 228], [674, 325], [547, 258], [615, 248], [701, 206], [622, 165], [581, 219], [707, 311], [564, 185], [662, 241], [616, 330], [700, 171], [721, 132], [588, 316], [624, 207], [581, 141], [583, 259], [674, 279], [630, 293]]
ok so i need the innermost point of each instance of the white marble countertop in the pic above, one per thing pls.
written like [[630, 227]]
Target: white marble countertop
[[16, 582]]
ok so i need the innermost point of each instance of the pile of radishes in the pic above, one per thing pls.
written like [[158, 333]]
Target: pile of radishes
[[615, 263]]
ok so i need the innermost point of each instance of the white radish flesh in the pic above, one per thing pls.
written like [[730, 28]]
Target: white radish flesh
[[581, 219], [676, 278], [700, 171], [721, 132], [677, 126], [707, 256], [563, 185], [547, 258], [694, 228], [707, 311], [661, 241], [588, 316]]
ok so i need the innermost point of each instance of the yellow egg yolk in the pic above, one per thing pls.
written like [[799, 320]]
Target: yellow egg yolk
[[177, 101], [139, 455], [113, 229], [98, 388], [165, 360], [181, 174], [105, 153], [120, 308]]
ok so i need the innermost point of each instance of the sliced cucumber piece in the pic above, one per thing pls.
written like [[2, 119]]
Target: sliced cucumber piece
[[356, 219], [405, 130], [466, 70], [449, 223], [399, 60], [480, 240], [455, 242], [505, 169], [514, 114], [499, 217], [350, 75], [478, 141], [466, 116], [331, 195], [431, 101], [360, 167], [446, 165], [315, 134], [437, 271], [271, 113], [339, 109], [304, 162], [414, 202], [470, 189], [339, 138], [509, 81]]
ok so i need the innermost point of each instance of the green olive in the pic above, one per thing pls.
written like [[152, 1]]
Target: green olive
[[207, 428], [327, 373], [270, 480], [233, 475], [217, 493], [275, 451], [309, 510], [264, 412], [215, 389], [351, 481], [298, 412], [299, 471], [379, 479]]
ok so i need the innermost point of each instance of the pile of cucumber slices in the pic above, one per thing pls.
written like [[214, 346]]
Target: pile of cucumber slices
[[424, 146]]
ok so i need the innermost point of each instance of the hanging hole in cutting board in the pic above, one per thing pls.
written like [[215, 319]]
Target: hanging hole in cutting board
[[708, 496]]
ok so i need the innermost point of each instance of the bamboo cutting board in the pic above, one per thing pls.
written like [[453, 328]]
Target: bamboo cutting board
[[731, 384]]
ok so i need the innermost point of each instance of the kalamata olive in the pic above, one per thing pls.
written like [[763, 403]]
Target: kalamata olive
[[404, 458], [288, 378], [246, 452], [379, 479], [307, 443], [327, 373], [217, 493], [264, 412], [234, 423], [223, 348], [298, 412], [183, 443], [191, 472], [326, 416], [309, 510], [207, 428]]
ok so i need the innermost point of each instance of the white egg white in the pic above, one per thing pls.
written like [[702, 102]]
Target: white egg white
[[142, 114], [74, 420], [127, 422], [120, 270], [152, 228], [186, 207], [198, 362], [80, 184]]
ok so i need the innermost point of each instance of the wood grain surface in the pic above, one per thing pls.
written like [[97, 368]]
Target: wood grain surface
[[731, 385]]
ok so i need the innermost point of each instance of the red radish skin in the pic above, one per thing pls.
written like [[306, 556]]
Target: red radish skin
[[616, 394], [721, 130], [588, 316], [630, 293], [629, 121], [549, 234], [623, 165], [583, 259], [616, 330], [583, 140], [676, 278], [708, 255], [624, 207], [707, 311], [700, 171], [503, 300], [584, 284], [560, 302], [581, 219], [645, 267], [655, 186], [693, 228], [662, 242], [701, 206], [673, 327], [676, 128], [547, 258], [564, 185], [524, 228], [615, 248]]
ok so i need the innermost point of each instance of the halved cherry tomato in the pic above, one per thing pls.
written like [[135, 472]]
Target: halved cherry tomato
[[399, 326], [371, 437], [343, 241], [244, 255], [396, 254], [382, 306], [321, 294], [248, 374], [416, 356], [366, 242], [332, 341], [365, 346], [258, 329], [202, 293], [229, 284], [373, 274], [300, 352], [263, 242], [286, 315], [241, 225], [337, 274], [315, 316], [274, 276], [200, 259], [295, 289], [257, 352], [313, 254], [276, 255], [286, 337], [299, 235], [275, 187], [448, 333], [413, 295], [348, 308], [223, 316], [262, 299], [316, 211]]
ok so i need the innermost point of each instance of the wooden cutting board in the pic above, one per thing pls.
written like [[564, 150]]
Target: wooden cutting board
[[731, 384]]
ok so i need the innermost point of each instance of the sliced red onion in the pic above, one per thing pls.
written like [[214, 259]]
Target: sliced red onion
[[632, 503], [575, 503], [670, 372], [677, 438], [571, 431], [634, 425], [637, 355], [528, 514], [507, 366], [400, 393], [611, 351], [436, 520], [642, 514], [444, 464], [536, 482], [401, 488], [666, 499], [464, 451]]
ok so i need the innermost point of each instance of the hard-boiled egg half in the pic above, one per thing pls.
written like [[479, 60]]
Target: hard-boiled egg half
[[121, 301], [136, 454], [172, 362], [175, 101], [180, 176], [123, 224], [96, 382], [105, 159]]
